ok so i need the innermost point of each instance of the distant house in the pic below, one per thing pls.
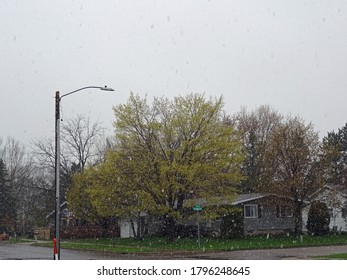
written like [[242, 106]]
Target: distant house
[[266, 213], [263, 213], [335, 197]]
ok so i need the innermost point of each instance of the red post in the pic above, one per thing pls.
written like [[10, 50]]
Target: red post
[[55, 250]]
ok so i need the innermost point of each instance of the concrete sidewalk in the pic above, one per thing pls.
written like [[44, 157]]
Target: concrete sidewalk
[[274, 254], [26, 251]]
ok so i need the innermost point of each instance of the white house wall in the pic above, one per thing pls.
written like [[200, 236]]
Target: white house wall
[[126, 230], [337, 221]]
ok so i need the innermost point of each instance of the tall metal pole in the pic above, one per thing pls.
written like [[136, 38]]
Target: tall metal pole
[[57, 176], [57, 164]]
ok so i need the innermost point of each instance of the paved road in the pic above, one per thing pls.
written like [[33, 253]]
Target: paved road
[[24, 251]]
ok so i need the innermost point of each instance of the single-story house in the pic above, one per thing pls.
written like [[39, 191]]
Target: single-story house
[[263, 214], [266, 213], [335, 197]]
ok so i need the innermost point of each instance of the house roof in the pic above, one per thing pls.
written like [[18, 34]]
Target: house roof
[[248, 197], [241, 198], [338, 188]]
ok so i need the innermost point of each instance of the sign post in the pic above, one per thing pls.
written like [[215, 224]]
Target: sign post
[[198, 208]]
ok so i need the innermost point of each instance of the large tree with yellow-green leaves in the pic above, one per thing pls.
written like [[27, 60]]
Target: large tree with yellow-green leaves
[[164, 154]]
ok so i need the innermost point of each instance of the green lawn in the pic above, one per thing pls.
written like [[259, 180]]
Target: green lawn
[[335, 257], [130, 245], [340, 256]]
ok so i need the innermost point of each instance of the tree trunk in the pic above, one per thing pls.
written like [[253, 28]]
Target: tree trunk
[[133, 228], [104, 224], [297, 218], [169, 230], [140, 229]]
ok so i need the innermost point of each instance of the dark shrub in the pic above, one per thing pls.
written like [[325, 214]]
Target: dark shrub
[[232, 225], [318, 219], [186, 231]]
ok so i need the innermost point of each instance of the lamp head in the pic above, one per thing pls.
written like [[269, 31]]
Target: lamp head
[[105, 88]]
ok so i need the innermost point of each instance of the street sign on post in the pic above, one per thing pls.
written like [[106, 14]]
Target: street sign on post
[[198, 208]]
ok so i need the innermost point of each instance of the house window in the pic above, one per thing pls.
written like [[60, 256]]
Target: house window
[[344, 210], [284, 211], [251, 211]]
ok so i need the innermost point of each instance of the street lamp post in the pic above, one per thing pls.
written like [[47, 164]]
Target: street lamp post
[[57, 164]]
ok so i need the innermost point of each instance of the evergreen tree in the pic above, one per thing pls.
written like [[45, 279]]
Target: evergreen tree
[[335, 156], [7, 209], [318, 219]]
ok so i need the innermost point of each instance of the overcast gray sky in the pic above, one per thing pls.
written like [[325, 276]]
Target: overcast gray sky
[[289, 54]]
